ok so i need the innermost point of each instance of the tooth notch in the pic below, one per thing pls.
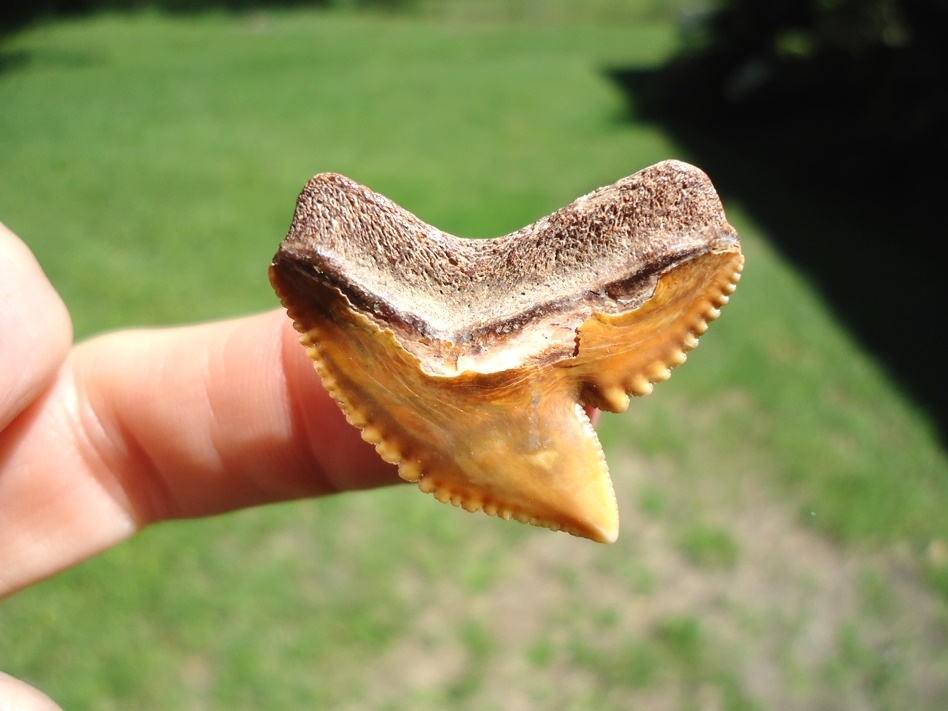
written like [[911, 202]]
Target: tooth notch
[[463, 360]]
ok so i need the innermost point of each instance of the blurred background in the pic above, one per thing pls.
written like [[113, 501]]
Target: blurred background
[[784, 497]]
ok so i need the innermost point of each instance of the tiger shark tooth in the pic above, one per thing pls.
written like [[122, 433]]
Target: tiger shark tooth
[[470, 364]]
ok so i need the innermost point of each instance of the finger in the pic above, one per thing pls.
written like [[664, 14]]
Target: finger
[[593, 414], [142, 426], [35, 330], [17, 695]]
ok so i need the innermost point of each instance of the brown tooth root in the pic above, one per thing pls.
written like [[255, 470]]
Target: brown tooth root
[[465, 361]]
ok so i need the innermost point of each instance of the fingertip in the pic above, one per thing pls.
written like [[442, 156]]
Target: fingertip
[[18, 695], [36, 326]]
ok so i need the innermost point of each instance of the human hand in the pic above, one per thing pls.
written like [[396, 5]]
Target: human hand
[[131, 428], [135, 427]]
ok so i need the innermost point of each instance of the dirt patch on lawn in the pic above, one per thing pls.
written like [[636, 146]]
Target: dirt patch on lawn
[[715, 597]]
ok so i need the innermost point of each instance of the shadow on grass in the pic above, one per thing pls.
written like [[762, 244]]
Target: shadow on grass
[[861, 218], [12, 60]]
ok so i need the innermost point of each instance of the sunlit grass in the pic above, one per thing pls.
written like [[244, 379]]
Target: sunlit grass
[[175, 147], [153, 163]]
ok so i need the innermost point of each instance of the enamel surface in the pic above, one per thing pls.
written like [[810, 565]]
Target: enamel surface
[[466, 362]]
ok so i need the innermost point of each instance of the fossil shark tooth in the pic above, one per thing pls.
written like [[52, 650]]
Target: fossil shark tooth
[[467, 362]]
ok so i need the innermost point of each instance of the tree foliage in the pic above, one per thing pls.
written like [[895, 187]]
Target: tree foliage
[[878, 69]]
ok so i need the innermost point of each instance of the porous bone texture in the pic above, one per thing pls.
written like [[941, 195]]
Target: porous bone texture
[[603, 252]]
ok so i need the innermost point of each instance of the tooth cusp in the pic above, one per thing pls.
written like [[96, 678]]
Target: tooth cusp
[[372, 434], [388, 452], [615, 399], [410, 470], [677, 358], [658, 372], [640, 386]]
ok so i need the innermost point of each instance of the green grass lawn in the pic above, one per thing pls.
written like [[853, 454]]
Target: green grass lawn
[[784, 527]]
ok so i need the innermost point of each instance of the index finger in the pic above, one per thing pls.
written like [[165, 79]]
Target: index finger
[[142, 426], [35, 329]]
